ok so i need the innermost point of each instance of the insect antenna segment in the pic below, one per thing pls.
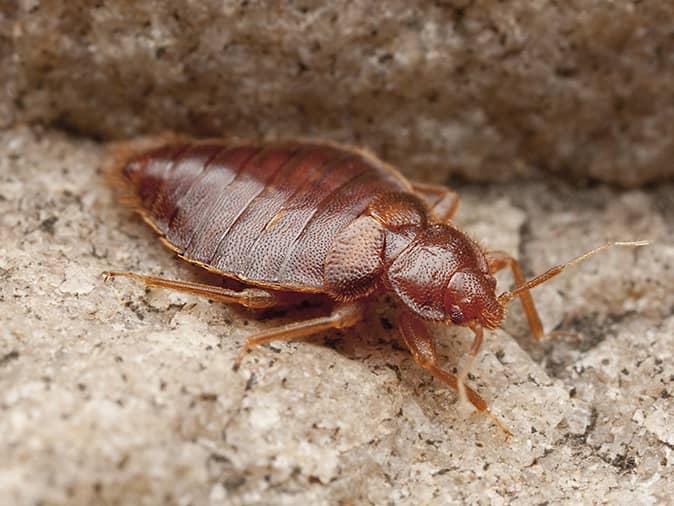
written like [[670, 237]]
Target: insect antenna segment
[[508, 296]]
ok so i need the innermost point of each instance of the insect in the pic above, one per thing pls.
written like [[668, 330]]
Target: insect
[[321, 218]]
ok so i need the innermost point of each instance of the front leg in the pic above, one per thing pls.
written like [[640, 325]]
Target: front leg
[[421, 345], [499, 260]]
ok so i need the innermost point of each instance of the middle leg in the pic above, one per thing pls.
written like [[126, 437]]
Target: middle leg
[[344, 315]]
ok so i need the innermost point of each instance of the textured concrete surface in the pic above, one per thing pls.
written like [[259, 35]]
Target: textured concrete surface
[[113, 394], [486, 90]]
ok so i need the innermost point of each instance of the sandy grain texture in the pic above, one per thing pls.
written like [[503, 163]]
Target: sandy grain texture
[[113, 394]]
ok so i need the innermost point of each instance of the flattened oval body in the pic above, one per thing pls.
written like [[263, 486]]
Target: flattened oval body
[[265, 215]]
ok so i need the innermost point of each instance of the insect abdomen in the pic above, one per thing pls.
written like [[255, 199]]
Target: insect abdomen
[[264, 214]]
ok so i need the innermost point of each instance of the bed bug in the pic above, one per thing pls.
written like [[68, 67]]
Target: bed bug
[[322, 218]]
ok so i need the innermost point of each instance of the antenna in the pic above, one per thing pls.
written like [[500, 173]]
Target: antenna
[[506, 297]]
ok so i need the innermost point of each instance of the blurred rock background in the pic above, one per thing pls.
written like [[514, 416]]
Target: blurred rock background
[[554, 120], [482, 89]]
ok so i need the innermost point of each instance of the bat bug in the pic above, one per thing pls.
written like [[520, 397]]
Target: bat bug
[[322, 218]]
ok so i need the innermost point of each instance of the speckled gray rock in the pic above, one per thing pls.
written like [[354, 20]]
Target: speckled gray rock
[[113, 394], [485, 90]]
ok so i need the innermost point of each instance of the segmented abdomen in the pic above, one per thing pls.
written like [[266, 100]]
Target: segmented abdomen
[[267, 214]]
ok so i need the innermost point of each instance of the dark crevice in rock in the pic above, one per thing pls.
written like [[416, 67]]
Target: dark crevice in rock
[[9, 357]]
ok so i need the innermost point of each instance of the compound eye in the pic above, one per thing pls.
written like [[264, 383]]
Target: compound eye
[[455, 314]]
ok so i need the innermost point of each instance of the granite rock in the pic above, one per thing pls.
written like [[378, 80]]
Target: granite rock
[[482, 90], [114, 394]]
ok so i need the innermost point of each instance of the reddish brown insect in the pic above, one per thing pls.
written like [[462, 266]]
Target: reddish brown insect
[[324, 219]]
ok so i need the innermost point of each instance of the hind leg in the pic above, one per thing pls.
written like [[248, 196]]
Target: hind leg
[[444, 202], [254, 298]]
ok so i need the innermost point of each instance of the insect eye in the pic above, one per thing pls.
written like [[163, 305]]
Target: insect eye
[[455, 314]]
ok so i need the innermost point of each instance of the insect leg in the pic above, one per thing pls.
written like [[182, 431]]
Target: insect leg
[[472, 353], [499, 260], [344, 315], [254, 298], [445, 202], [421, 345]]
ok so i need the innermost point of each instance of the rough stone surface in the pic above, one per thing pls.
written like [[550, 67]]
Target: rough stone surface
[[486, 90], [113, 394]]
